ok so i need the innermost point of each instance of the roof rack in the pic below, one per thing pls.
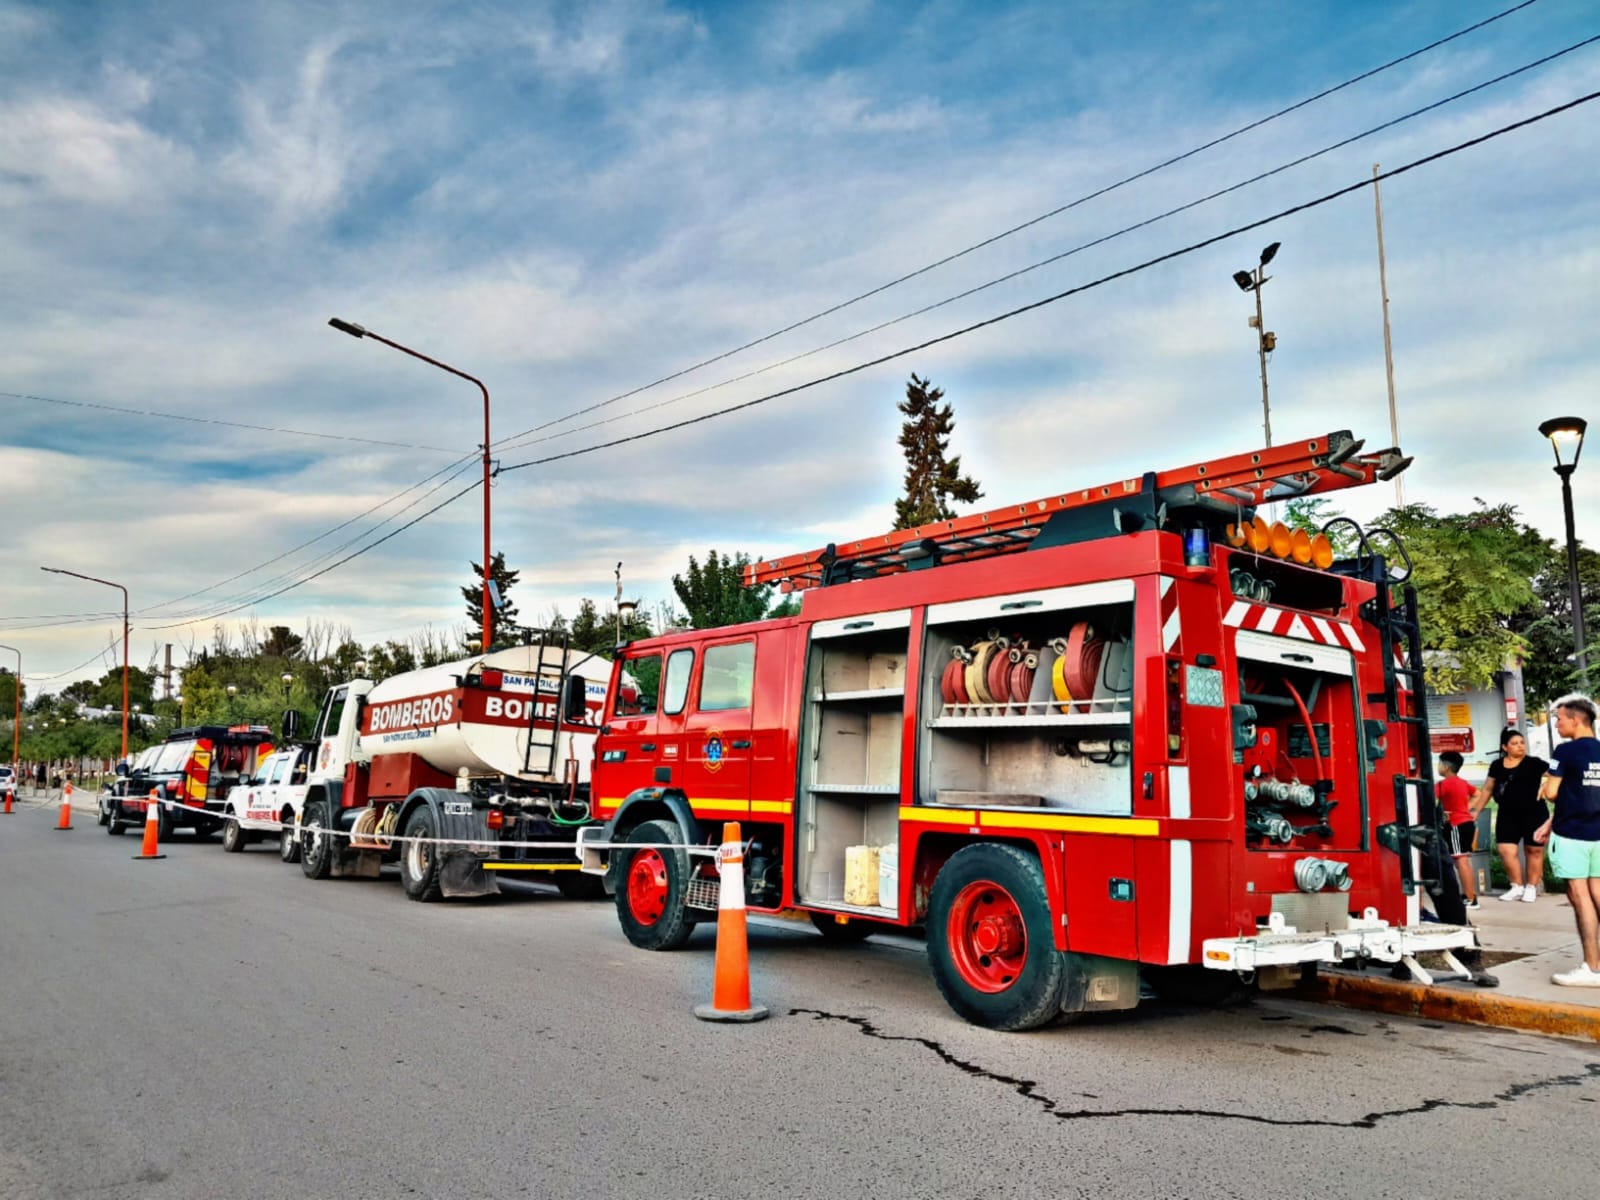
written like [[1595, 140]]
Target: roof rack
[[1226, 486]]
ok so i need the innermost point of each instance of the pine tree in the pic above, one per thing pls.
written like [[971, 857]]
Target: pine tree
[[932, 479], [714, 594], [506, 631]]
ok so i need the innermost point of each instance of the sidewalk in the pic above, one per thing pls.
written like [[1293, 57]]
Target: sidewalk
[[1523, 945]]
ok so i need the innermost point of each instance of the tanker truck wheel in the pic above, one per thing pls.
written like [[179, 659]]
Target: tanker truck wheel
[[990, 939], [419, 861], [650, 889], [316, 846]]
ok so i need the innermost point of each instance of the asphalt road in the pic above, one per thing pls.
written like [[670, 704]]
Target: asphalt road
[[212, 1025]]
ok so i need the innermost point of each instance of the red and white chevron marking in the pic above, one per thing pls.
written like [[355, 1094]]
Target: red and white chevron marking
[[1307, 627], [1171, 627]]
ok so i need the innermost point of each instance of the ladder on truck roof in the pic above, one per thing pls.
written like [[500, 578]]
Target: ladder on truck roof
[[1230, 487]]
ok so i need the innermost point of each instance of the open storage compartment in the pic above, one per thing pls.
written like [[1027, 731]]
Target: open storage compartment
[[850, 761], [1028, 701]]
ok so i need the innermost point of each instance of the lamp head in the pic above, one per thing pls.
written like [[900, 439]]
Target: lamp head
[[626, 609], [287, 678], [350, 327], [1566, 439], [1270, 253], [1245, 280]]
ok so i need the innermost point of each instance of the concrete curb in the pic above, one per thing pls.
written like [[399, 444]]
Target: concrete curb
[[1441, 1003]]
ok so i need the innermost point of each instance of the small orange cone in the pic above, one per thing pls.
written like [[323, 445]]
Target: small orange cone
[[152, 830], [9, 790], [66, 807], [730, 993]]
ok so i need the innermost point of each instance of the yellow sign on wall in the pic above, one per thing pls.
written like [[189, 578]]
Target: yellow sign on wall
[[1459, 714]]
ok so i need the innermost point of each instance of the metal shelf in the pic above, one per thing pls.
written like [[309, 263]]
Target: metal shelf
[[985, 720], [856, 789], [892, 693]]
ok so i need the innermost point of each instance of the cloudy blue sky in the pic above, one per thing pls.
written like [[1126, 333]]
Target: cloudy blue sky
[[573, 201]]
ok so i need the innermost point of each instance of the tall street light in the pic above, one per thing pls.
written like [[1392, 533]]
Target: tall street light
[[16, 720], [124, 591], [1252, 281], [1566, 438], [358, 331]]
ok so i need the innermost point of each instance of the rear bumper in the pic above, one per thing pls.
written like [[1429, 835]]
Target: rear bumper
[[1366, 938]]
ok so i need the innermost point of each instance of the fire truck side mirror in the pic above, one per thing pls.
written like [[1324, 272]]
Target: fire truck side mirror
[[291, 724], [1244, 726], [575, 701]]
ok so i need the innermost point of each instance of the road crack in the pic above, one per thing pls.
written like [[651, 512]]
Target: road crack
[[1028, 1089]]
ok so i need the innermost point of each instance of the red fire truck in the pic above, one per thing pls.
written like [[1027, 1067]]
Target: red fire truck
[[1129, 732]]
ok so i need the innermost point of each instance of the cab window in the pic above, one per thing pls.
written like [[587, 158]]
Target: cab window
[[727, 677], [639, 686], [675, 687], [332, 714]]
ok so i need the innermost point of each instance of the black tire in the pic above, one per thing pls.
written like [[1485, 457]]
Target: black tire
[[577, 886], [316, 844], [982, 889], [650, 905], [288, 840], [843, 933], [166, 824], [1199, 985], [419, 862], [114, 823], [233, 836], [105, 811]]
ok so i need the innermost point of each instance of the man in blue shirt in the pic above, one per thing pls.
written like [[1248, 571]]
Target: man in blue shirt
[[1573, 829]]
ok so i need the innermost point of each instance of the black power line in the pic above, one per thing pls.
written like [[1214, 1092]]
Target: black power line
[[989, 241], [166, 416]]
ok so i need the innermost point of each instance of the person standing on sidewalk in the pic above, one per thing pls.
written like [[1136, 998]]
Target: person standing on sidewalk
[[1514, 782], [1574, 829], [1456, 797]]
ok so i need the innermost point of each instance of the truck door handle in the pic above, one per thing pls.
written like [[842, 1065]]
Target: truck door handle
[[741, 745], [647, 746]]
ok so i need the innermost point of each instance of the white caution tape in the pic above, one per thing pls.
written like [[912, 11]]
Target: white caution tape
[[386, 840]]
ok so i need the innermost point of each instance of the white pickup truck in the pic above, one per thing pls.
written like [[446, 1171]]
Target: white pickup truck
[[270, 800]]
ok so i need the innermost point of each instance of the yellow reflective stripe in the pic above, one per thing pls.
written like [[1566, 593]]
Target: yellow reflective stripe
[[940, 816], [771, 806], [492, 866], [1126, 826]]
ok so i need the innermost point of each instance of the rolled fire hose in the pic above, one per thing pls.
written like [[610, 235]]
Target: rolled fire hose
[[978, 668], [953, 670], [1021, 681], [998, 677], [1058, 674]]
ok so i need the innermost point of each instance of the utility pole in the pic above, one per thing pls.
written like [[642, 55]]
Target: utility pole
[[1388, 344]]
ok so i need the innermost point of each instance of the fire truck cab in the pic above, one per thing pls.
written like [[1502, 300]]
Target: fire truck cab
[[1121, 734]]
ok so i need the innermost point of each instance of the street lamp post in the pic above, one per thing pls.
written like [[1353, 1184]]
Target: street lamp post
[[124, 591], [1566, 437], [233, 690], [625, 608], [358, 331], [288, 682], [16, 720], [1252, 281]]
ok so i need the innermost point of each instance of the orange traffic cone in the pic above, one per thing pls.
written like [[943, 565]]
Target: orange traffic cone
[[730, 993], [66, 806], [9, 790], [152, 830]]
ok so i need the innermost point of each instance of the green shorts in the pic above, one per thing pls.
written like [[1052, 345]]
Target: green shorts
[[1572, 859]]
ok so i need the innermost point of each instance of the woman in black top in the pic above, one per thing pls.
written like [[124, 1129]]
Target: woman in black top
[[1514, 781]]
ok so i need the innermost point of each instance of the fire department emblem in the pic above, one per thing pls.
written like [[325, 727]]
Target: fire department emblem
[[714, 750]]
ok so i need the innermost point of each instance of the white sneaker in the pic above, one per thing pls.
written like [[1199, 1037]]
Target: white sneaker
[[1514, 893], [1579, 976], [1530, 894]]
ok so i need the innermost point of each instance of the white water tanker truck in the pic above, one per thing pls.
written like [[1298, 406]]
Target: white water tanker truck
[[493, 750]]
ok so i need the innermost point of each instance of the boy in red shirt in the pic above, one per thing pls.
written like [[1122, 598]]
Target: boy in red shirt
[[1455, 797]]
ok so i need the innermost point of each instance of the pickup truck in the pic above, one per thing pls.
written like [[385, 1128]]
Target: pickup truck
[[269, 802]]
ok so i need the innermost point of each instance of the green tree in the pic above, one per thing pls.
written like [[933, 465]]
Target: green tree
[[714, 594], [506, 631], [1473, 573], [282, 643], [108, 689], [933, 479]]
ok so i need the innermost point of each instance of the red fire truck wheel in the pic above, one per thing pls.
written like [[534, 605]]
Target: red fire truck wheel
[[990, 941], [651, 887]]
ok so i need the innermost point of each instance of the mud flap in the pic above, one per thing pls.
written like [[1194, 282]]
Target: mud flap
[[461, 873], [1096, 984], [356, 864]]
